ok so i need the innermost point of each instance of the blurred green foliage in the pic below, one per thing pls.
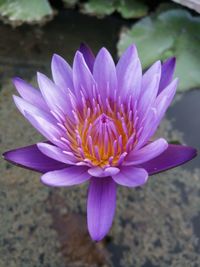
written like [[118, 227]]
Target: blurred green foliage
[[19, 11], [169, 33], [127, 8]]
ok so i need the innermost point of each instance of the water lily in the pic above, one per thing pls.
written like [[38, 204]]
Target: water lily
[[98, 120]]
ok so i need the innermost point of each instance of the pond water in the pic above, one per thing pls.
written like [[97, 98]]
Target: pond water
[[154, 226]]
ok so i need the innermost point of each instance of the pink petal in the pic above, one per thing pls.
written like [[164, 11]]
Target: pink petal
[[66, 177], [131, 176], [100, 206]]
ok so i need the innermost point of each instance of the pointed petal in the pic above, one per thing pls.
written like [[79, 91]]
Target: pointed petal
[[146, 153], [56, 153], [100, 206], [150, 85], [66, 177], [57, 100], [30, 94], [30, 157], [62, 73], [131, 176], [105, 74], [173, 156], [82, 77], [45, 127], [168, 68], [99, 172], [129, 73], [25, 106], [88, 56], [163, 101]]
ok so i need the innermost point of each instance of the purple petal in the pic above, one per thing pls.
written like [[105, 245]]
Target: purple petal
[[82, 77], [57, 100], [150, 85], [168, 68], [100, 206], [129, 73], [30, 157], [147, 152], [56, 153], [173, 156], [163, 101], [62, 73], [88, 56], [105, 74], [66, 177], [99, 172], [30, 94], [25, 106], [45, 127], [131, 176]]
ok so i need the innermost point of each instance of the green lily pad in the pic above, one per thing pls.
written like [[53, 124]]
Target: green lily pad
[[127, 8], [19, 11], [99, 8], [132, 9], [170, 33]]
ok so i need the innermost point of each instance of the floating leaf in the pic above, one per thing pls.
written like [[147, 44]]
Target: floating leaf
[[127, 8], [99, 8], [19, 11], [170, 33], [132, 9]]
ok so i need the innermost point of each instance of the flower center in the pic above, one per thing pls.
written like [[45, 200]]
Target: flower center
[[102, 135]]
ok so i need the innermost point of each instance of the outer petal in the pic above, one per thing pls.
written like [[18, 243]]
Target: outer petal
[[56, 153], [173, 156], [30, 157], [25, 106], [57, 100], [88, 56], [45, 127], [100, 206], [131, 176], [105, 74], [30, 94], [168, 68], [147, 152], [66, 177], [129, 73], [150, 85], [82, 77], [99, 172], [62, 73]]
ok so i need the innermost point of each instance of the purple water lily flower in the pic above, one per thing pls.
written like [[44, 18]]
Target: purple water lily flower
[[99, 119]]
